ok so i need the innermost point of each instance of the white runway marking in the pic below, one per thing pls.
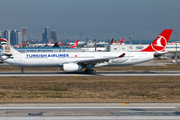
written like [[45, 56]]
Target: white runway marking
[[81, 73], [91, 118], [87, 107]]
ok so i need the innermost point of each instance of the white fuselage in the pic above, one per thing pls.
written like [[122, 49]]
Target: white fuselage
[[59, 58]]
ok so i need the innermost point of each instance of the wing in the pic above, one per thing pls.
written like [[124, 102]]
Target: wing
[[98, 60]]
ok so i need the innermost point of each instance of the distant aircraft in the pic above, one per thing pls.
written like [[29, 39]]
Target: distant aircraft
[[74, 61], [171, 43], [75, 44], [120, 42], [39, 45], [49, 44], [19, 46], [59, 43], [112, 40]]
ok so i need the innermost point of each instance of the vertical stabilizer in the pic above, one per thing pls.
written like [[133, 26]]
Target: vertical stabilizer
[[8, 49], [75, 44], [159, 44]]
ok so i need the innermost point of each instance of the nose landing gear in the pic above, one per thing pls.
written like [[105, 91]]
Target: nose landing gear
[[22, 70]]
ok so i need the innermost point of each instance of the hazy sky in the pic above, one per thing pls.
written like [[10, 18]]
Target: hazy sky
[[131, 16]]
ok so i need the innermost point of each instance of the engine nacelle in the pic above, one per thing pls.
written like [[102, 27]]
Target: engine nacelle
[[71, 67], [3, 57]]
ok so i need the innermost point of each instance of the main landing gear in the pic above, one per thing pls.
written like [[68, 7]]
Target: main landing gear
[[22, 70], [90, 71]]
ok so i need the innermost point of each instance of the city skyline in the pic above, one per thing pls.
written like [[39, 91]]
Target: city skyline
[[100, 19]]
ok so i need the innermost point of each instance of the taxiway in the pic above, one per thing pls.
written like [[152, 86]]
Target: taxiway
[[81, 73]]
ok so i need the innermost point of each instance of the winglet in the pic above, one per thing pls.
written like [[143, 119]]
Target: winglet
[[122, 55], [159, 44]]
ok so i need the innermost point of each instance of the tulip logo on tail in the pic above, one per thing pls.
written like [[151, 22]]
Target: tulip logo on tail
[[160, 44]]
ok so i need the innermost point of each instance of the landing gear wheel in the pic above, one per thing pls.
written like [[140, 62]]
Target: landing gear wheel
[[90, 71], [22, 70], [94, 72], [86, 71]]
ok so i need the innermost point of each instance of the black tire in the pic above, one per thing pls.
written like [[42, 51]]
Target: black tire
[[94, 72]]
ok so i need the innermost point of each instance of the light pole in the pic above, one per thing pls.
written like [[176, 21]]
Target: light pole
[[176, 47]]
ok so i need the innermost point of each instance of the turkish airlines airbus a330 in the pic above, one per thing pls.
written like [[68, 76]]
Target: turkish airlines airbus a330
[[74, 61]]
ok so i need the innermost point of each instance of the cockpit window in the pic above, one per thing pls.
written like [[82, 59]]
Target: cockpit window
[[11, 57]]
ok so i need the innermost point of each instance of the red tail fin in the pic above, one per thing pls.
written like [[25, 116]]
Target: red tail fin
[[59, 43], [121, 41], [75, 44], [19, 46], [49, 42], [159, 44], [111, 41]]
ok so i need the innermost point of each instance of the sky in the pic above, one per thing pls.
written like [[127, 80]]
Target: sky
[[101, 19]]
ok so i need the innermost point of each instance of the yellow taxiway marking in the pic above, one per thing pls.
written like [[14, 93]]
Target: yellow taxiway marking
[[124, 103]]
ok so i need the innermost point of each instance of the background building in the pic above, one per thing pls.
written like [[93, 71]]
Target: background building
[[15, 37], [13, 41], [18, 37], [46, 35], [1, 34], [54, 36], [7, 34]]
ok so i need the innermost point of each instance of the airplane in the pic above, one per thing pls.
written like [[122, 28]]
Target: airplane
[[171, 43], [59, 43], [43, 45], [76, 61], [75, 44], [39, 45], [49, 44], [19, 46], [120, 42], [112, 40]]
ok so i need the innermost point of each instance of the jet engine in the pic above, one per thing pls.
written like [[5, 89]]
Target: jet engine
[[3, 57], [71, 67]]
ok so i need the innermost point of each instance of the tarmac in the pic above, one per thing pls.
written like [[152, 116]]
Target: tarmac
[[89, 111]]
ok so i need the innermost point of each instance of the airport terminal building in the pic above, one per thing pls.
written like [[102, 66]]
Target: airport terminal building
[[171, 49]]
